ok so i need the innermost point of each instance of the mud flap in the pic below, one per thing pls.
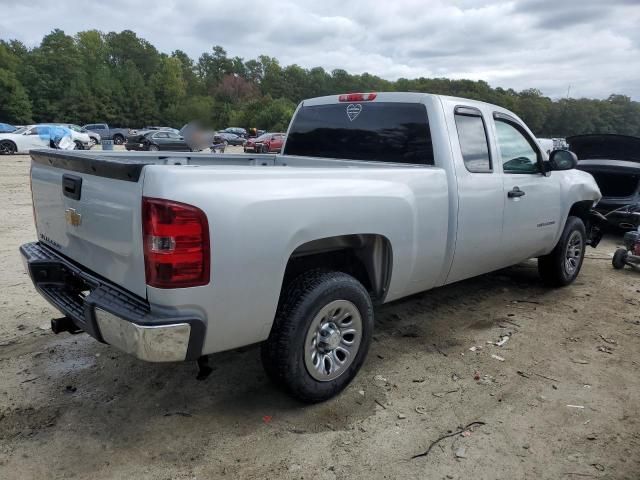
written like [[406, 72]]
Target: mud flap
[[595, 228]]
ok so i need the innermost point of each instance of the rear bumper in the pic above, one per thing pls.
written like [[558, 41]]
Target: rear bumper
[[110, 314]]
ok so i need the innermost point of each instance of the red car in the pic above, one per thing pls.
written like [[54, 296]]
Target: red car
[[267, 143]]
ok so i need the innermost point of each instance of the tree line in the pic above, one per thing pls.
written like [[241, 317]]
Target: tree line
[[122, 79]]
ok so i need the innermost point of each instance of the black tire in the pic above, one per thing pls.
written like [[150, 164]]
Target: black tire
[[153, 148], [555, 269], [619, 259], [118, 139], [265, 149], [79, 145], [7, 147], [283, 353]]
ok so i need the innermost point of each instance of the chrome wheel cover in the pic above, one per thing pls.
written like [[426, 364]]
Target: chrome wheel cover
[[333, 340], [573, 252]]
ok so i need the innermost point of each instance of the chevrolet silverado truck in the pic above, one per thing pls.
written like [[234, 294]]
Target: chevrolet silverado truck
[[176, 256]]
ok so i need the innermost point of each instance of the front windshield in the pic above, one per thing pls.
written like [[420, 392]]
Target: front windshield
[[20, 131], [263, 136]]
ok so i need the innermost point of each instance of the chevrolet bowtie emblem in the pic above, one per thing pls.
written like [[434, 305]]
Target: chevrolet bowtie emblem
[[73, 218]]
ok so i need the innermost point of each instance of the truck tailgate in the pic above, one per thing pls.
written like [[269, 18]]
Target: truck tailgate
[[91, 214]]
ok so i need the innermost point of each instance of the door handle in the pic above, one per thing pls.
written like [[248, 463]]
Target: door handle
[[515, 192]]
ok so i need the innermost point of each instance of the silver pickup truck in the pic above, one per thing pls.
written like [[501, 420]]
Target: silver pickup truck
[[375, 197]]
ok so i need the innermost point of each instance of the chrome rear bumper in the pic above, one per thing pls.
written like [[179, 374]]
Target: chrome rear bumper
[[156, 343], [111, 314]]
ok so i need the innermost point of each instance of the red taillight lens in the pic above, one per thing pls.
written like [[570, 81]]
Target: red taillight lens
[[357, 97], [176, 244]]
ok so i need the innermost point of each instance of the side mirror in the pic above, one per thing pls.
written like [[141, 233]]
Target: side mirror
[[562, 160]]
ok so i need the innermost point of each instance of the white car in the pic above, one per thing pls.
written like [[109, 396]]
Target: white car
[[35, 136]]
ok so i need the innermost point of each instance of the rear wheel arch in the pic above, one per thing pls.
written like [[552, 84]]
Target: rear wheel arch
[[366, 257]]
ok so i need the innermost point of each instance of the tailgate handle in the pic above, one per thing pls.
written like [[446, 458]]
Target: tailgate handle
[[71, 186]]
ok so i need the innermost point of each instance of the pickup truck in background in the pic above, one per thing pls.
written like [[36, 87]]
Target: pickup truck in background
[[177, 256], [118, 135]]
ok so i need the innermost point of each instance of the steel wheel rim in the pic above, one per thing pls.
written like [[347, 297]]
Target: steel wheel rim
[[333, 340], [573, 253]]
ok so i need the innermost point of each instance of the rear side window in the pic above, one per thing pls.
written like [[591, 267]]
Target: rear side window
[[473, 140], [383, 132]]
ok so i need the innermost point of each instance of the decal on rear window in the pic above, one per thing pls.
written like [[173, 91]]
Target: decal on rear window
[[353, 110]]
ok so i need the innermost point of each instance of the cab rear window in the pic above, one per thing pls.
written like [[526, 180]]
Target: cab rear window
[[384, 132]]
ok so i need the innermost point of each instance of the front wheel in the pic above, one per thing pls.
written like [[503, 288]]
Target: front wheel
[[78, 145], [153, 148], [561, 267], [118, 139], [619, 259], [320, 336], [7, 148]]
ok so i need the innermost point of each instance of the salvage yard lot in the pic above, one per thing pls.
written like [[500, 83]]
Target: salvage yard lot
[[564, 401]]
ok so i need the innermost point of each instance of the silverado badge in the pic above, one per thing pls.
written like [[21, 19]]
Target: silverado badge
[[73, 218]]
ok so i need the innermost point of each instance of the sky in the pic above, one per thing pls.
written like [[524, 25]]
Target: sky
[[580, 48]]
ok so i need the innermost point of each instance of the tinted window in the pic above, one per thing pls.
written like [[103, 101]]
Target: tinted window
[[473, 142], [518, 154], [384, 132], [161, 135]]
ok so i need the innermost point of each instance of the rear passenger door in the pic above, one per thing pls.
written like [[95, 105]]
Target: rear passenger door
[[478, 246], [176, 142], [161, 139], [531, 198]]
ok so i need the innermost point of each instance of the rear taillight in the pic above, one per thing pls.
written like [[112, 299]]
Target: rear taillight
[[357, 97], [176, 244]]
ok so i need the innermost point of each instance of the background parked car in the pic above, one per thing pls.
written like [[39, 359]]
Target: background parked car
[[155, 140], [229, 138], [614, 162], [7, 128], [269, 142], [241, 132], [80, 136], [27, 138], [118, 135], [94, 138]]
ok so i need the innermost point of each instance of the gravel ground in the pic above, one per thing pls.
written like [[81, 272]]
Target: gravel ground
[[563, 403]]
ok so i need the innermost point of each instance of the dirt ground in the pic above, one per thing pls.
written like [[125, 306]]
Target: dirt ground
[[564, 403]]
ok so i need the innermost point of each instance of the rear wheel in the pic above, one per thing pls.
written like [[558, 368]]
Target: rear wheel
[[153, 148], [92, 142], [320, 336], [7, 148], [561, 267], [118, 139], [619, 259]]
